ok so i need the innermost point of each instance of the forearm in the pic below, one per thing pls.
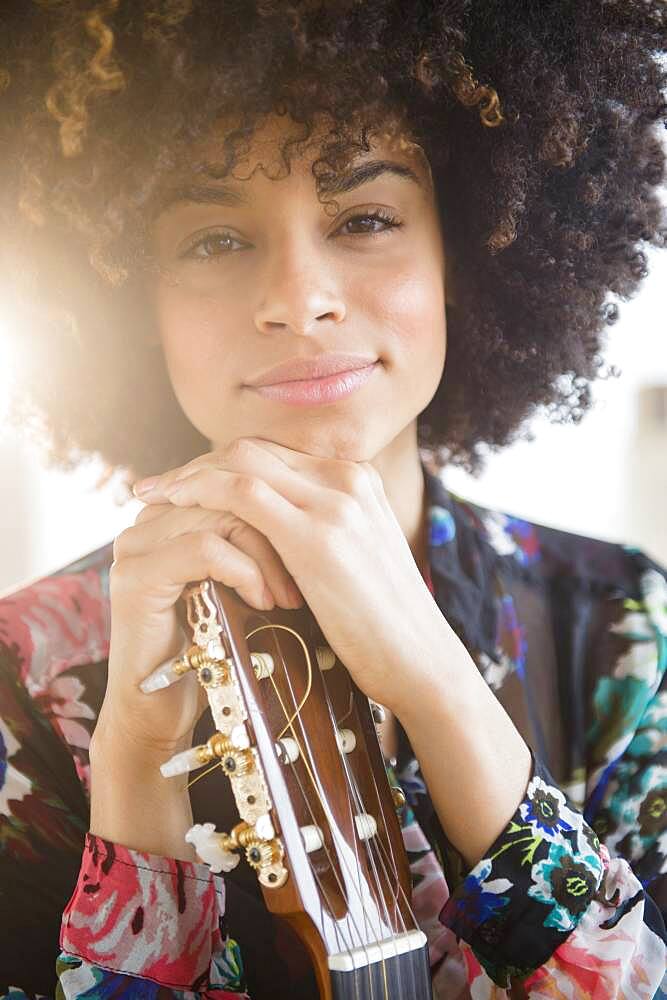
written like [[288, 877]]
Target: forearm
[[474, 761], [132, 804]]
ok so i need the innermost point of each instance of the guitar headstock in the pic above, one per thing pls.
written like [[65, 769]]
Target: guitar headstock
[[317, 816]]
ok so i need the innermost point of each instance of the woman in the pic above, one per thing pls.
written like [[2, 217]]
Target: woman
[[196, 196]]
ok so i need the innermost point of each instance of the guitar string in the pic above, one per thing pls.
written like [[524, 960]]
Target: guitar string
[[325, 811], [378, 937], [371, 844], [353, 786], [375, 845], [357, 888], [351, 779], [389, 858], [341, 887]]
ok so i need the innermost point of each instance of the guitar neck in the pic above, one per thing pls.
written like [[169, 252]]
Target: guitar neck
[[388, 974]]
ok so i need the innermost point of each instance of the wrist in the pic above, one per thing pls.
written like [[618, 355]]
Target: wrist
[[132, 803], [439, 679], [112, 741]]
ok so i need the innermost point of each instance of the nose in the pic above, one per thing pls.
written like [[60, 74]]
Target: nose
[[301, 290]]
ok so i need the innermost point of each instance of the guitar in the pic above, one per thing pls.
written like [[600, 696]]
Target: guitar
[[297, 740]]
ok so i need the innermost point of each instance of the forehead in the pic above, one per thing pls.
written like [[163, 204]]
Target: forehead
[[263, 155]]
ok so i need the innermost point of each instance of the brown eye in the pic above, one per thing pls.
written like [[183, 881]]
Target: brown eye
[[372, 223], [212, 245]]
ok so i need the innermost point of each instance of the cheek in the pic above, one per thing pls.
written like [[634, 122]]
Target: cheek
[[410, 306], [192, 328]]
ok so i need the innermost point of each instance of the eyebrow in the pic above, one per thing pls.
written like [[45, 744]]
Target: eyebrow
[[220, 194]]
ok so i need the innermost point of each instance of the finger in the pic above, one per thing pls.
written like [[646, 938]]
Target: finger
[[244, 458], [147, 532], [174, 521], [253, 501], [150, 511], [339, 474], [153, 581]]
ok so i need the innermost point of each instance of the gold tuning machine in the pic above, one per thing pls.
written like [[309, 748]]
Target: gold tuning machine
[[265, 856], [234, 761], [211, 672], [398, 796]]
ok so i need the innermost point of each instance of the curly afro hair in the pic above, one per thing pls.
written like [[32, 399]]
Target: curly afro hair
[[540, 122]]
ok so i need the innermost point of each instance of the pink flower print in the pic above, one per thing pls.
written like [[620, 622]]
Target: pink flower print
[[56, 623]]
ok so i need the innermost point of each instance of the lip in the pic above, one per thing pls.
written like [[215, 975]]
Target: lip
[[318, 391], [307, 368]]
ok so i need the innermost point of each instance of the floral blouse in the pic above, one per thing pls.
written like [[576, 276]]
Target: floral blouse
[[570, 633]]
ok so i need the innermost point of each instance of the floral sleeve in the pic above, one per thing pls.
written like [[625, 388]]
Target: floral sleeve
[[547, 910], [138, 923]]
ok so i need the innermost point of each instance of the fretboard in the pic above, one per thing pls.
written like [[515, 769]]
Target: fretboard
[[395, 970]]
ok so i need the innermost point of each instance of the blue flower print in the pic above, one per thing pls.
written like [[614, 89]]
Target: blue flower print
[[442, 527], [512, 536], [411, 781], [566, 885], [476, 901], [546, 811]]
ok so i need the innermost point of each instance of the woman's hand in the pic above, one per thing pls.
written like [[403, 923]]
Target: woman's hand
[[165, 549], [331, 524]]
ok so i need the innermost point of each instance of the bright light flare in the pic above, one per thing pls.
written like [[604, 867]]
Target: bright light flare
[[8, 356]]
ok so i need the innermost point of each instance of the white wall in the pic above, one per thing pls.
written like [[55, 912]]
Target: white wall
[[607, 477]]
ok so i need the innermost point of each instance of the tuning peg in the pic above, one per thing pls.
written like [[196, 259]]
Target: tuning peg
[[312, 838], [211, 670], [262, 664], [287, 750], [166, 673], [235, 757], [398, 795], [366, 826], [185, 761], [346, 740], [213, 848], [325, 656]]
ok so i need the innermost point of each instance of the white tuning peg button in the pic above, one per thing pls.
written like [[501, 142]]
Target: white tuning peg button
[[206, 843], [312, 838], [164, 676], [287, 750], [346, 740], [262, 664], [264, 827], [366, 826], [326, 658], [181, 763]]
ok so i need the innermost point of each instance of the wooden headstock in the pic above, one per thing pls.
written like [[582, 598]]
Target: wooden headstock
[[318, 822]]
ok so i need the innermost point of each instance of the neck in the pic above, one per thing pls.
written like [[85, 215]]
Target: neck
[[399, 465]]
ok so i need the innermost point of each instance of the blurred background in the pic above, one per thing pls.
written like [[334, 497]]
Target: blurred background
[[606, 477]]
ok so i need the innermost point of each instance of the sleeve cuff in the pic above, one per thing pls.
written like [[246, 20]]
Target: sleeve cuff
[[144, 915], [532, 887]]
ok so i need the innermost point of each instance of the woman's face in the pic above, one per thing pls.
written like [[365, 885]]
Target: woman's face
[[254, 272]]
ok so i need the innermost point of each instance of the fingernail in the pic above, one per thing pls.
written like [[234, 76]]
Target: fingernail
[[295, 595], [144, 485], [267, 599]]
